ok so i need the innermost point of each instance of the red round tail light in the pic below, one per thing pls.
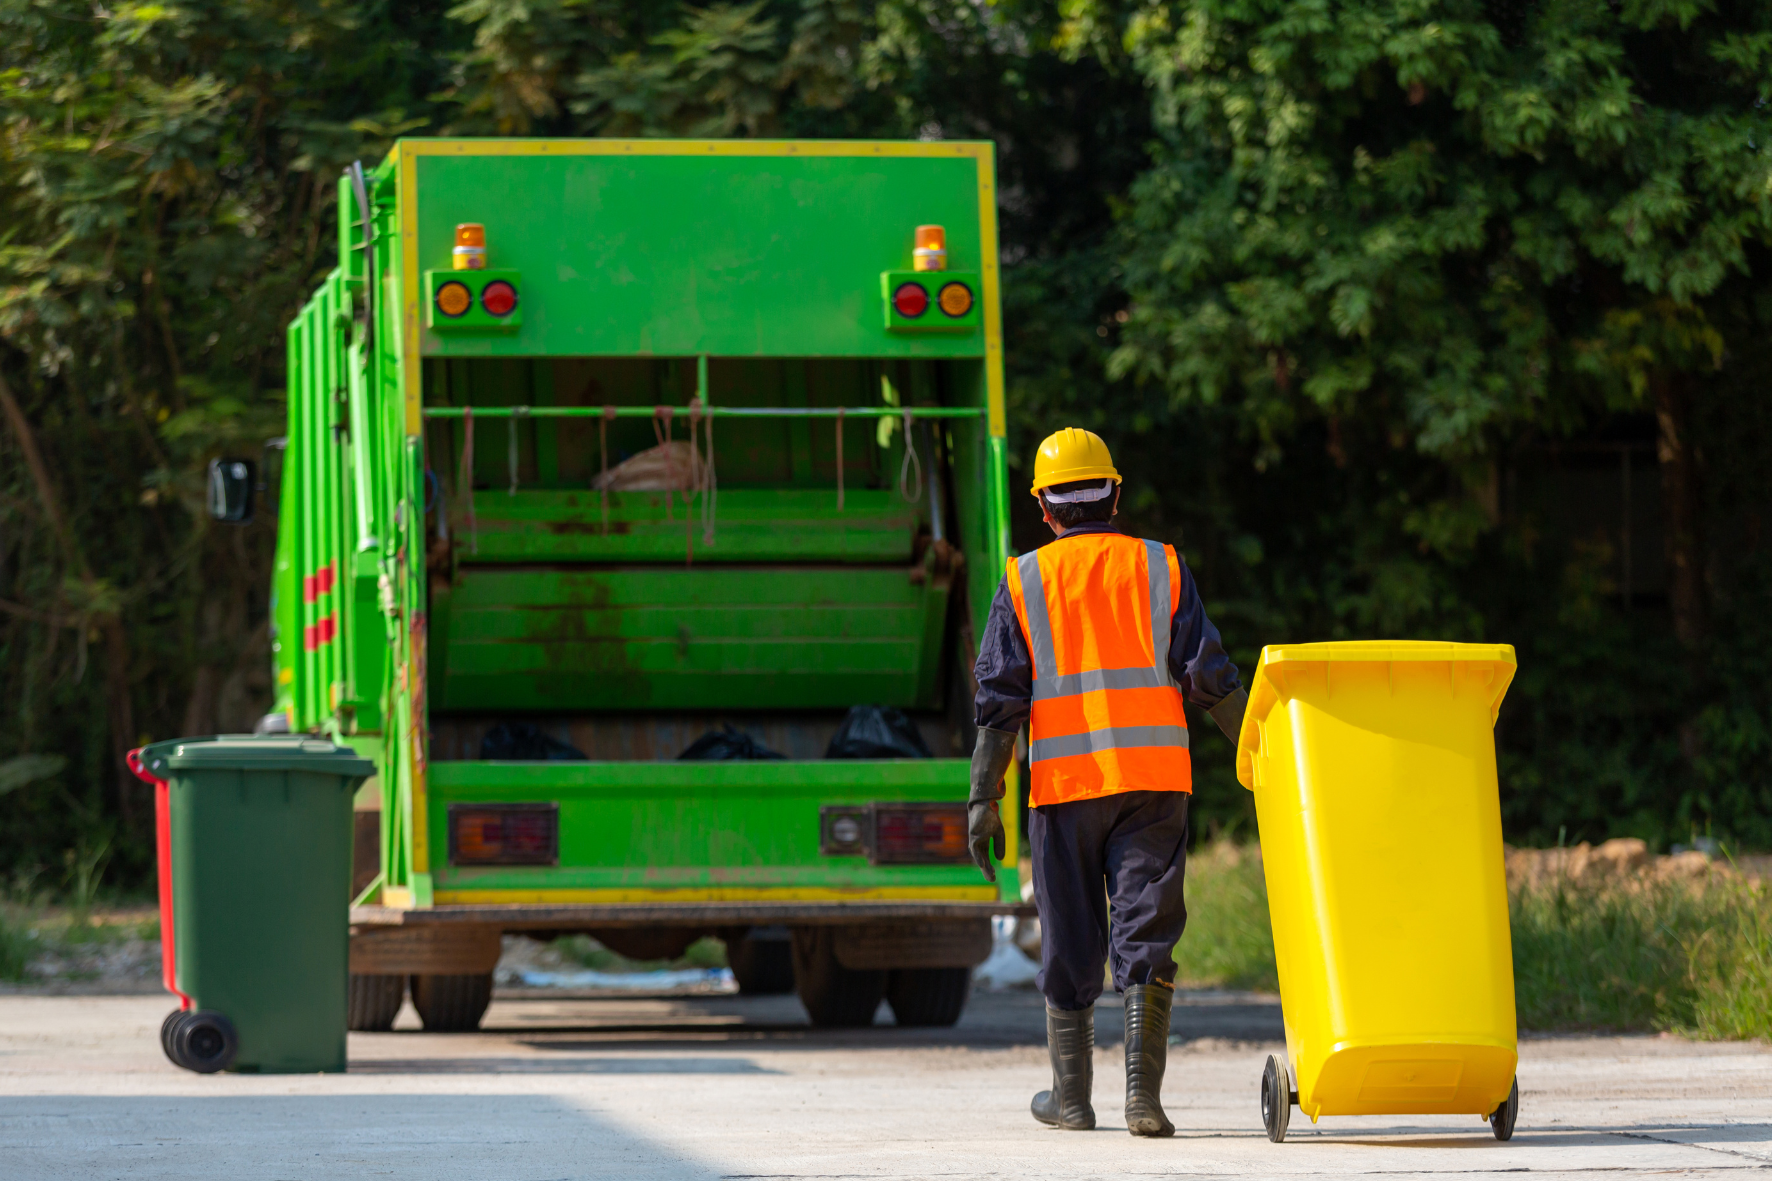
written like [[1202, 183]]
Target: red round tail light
[[499, 298], [910, 300]]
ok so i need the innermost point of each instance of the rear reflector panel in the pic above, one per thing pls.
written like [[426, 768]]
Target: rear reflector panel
[[504, 834], [920, 834]]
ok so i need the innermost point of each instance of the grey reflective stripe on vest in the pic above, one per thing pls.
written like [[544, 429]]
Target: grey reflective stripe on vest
[[1033, 597], [1114, 738], [1157, 563], [1098, 679]]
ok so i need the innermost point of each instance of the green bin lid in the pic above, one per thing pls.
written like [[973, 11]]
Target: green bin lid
[[257, 752]]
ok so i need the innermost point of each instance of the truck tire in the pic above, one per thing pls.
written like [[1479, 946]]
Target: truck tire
[[761, 967], [928, 996], [835, 997], [451, 1004], [373, 1002]]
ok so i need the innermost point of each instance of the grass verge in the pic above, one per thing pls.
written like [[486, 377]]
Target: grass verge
[[1691, 957], [1686, 957], [16, 945], [1227, 943]]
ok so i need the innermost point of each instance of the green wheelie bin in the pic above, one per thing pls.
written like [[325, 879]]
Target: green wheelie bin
[[253, 843]]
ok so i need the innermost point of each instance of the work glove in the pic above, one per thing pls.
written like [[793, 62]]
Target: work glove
[[984, 821], [1229, 714]]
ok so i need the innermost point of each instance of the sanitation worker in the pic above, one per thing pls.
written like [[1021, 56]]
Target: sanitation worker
[[1093, 641]]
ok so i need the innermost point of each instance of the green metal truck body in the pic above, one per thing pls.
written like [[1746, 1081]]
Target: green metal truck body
[[445, 561]]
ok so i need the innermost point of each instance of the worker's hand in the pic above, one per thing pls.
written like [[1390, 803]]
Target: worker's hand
[[984, 820], [985, 835], [1229, 714]]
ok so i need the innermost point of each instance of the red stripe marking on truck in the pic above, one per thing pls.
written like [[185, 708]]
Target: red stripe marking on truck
[[316, 634], [318, 583]]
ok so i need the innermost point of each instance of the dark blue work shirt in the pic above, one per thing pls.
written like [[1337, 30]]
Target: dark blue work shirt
[[1005, 670]]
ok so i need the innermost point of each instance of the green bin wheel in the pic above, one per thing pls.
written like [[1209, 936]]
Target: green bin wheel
[[835, 997], [1503, 1117], [761, 967], [205, 1042], [166, 1030], [928, 996], [1276, 1099], [451, 1004], [373, 1002]]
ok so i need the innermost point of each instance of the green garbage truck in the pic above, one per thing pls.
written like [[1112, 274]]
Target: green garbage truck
[[607, 454]]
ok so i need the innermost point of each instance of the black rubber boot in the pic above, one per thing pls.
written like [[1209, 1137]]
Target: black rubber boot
[[1147, 1051], [1070, 1039]]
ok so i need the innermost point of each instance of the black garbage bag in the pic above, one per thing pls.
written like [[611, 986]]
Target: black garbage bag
[[726, 743], [876, 732], [523, 742]]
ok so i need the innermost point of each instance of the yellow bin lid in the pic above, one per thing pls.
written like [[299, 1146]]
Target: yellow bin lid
[[1263, 695]]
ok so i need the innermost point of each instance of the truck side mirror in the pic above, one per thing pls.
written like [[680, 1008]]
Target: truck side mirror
[[230, 490]]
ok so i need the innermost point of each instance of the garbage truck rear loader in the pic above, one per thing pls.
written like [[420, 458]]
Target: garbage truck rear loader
[[596, 447]]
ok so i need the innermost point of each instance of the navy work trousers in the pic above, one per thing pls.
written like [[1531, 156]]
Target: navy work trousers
[[1128, 851]]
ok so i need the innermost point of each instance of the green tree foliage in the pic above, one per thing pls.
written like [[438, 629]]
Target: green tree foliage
[[1331, 277], [166, 178], [1386, 252]]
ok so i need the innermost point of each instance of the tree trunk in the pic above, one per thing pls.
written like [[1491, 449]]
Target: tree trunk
[[122, 716], [120, 707], [1680, 512]]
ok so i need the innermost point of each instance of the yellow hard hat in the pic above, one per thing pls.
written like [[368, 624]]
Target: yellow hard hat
[[1072, 454]]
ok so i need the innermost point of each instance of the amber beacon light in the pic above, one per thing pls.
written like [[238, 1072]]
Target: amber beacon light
[[931, 253], [470, 246]]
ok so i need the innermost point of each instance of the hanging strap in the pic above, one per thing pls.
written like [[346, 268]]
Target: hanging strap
[[662, 414], [434, 496], [710, 485], [603, 472], [914, 492], [839, 459], [695, 482], [465, 481], [517, 412]]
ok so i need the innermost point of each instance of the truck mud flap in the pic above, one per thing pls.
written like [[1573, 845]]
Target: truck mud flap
[[424, 950], [962, 944]]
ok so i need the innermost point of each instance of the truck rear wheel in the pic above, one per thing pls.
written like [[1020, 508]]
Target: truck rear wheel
[[373, 1002], [451, 1004], [928, 996], [835, 997], [762, 965]]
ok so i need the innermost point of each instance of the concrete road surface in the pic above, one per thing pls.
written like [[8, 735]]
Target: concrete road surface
[[722, 1087]]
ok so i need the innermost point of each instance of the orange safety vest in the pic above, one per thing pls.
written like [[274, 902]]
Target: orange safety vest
[[1096, 610]]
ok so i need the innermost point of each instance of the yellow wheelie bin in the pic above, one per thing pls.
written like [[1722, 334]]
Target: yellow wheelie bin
[[1373, 768]]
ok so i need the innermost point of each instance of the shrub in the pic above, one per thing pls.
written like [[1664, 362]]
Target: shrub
[[1682, 956], [16, 946], [1629, 954], [1228, 943]]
